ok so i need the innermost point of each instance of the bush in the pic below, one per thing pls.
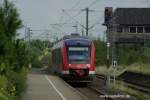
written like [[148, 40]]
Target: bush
[[16, 83], [36, 64], [3, 97], [100, 52], [14, 55], [3, 83], [12, 85], [3, 88]]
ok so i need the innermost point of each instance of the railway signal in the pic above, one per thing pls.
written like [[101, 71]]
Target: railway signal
[[108, 14], [114, 65], [108, 55], [108, 64]]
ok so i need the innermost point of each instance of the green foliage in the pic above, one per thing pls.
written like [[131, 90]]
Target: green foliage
[[10, 20], [9, 24], [37, 50], [14, 54], [21, 55], [3, 88], [16, 83], [3, 83], [12, 85], [100, 52], [127, 54], [3, 97]]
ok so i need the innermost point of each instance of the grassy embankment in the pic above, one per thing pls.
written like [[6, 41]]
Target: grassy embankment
[[121, 86], [141, 68]]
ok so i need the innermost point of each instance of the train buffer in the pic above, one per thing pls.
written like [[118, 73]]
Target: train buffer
[[48, 87]]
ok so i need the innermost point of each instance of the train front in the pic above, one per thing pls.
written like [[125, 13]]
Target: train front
[[79, 60]]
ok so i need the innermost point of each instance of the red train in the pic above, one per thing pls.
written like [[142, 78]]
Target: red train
[[73, 58]]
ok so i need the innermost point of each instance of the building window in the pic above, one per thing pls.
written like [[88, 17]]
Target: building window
[[126, 29], [139, 29], [132, 29], [147, 29], [119, 29]]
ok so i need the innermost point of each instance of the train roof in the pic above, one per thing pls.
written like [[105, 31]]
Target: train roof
[[71, 37], [74, 36]]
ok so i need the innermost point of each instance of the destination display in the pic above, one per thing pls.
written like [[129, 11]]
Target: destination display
[[78, 48]]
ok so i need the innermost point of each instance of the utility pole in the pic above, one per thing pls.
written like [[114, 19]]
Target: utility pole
[[87, 21], [27, 39], [86, 27], [27, 34], [82, 31], [76, 28]]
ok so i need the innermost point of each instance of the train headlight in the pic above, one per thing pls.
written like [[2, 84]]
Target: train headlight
[[69, 65], [88, 65]]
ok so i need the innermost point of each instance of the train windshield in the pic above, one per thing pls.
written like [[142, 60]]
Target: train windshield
[[79, 55]]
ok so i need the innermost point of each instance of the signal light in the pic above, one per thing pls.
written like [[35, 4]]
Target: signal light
[[108, 14]]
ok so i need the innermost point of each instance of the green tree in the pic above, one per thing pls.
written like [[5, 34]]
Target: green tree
[[9, 23], [100, 52]]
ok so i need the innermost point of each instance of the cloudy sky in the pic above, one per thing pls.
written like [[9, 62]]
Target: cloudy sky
[[39, 15]]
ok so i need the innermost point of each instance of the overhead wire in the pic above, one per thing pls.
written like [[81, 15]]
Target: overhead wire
[[76, 4], [80, 12], [93, 3], [96, 23], [75, 20], [72, 17], [61, 18]]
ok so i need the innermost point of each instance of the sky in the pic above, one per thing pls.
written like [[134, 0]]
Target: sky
[[42, 15]]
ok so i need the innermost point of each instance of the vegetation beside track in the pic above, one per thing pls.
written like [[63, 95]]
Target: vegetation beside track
[[121, 86], [40, 53], [14, 54], [133, 57]]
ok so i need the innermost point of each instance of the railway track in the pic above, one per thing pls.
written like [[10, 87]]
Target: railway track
[[89, 93], [94, 92], [101, 93], [130, 84], [98, 91]]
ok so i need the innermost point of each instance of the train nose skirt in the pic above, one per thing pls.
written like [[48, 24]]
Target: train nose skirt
[[79, 72]]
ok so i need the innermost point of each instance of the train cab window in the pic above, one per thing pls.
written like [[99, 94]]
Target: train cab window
[[79, 55]]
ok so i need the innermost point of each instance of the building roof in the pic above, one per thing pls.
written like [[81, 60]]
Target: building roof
[[132, 16]]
